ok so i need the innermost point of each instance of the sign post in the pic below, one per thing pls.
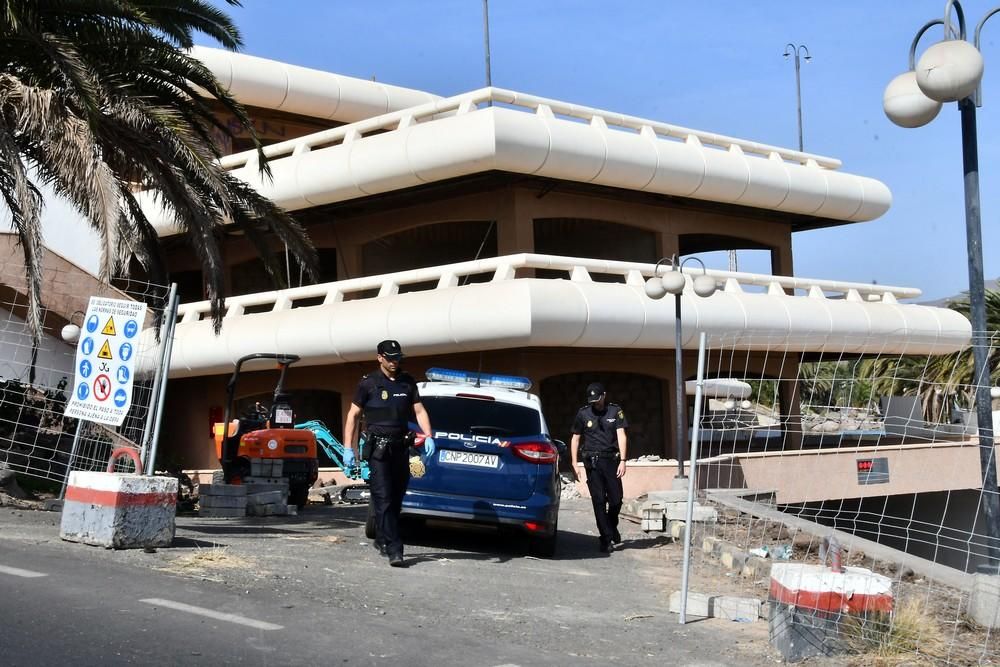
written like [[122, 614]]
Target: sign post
[[105, 360]]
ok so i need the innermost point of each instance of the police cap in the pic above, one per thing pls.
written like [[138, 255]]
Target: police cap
[[390, 349], [595, 390]]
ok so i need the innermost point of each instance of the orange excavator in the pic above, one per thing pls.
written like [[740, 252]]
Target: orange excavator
[[264, 442]]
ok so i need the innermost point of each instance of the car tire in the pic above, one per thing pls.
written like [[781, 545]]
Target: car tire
[[370, 523], [544, 547]]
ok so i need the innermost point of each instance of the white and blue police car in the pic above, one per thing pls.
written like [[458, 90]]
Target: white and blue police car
[[491, 459]]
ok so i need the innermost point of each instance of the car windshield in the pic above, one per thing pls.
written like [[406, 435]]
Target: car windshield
[[478, 416]]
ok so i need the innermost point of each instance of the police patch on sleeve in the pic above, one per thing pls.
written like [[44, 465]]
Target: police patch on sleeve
[[590, 424], [385, 394], [621, 415]]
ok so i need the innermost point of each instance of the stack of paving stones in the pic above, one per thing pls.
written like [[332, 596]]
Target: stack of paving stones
[[222, 500], [267, 497], [257, 497]]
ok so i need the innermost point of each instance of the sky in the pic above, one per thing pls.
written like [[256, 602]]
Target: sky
[[715, 65]]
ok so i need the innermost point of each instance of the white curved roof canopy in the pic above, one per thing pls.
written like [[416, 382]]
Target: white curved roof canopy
[[459, 136], [276, 85], [510, 312]]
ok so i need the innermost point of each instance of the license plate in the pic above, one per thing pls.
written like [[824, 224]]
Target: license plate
[[469, 458]]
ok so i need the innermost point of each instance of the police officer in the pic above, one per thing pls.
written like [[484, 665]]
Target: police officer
[[601, 426], [386, 398]]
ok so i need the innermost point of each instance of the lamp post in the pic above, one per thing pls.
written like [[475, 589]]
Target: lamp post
[[796, 50], [657, 287], [951, 71]]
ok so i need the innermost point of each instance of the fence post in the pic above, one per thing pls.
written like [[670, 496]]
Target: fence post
[[161, 389], [152, 411], [693, 479]]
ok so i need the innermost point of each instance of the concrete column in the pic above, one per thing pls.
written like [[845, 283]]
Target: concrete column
[[791, 410], [515, 223], [350, 257], [781, 259]]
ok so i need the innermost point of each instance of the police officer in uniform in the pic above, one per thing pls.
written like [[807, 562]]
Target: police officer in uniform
[[387, 398], [601, 426]]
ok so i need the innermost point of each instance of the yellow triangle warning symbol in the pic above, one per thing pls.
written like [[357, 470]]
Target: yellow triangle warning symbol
[[109, 328], [105, 352]]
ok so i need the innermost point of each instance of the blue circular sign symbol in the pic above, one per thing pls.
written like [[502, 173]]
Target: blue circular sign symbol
[[131, 328], [82, 391], [120, 398], [87, 345], [92, 323], [123, 374], [125, 351], [85, 368]]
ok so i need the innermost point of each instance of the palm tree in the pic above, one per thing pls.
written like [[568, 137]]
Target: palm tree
[[99, 97]]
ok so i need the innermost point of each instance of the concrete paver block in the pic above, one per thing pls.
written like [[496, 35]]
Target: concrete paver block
[[119, 511], [734, 560], [700, 514], [223, 502], [667, 496], [266, 498], [222, 490], [717, 606], [222, 512], [678, 529], [711, 546], [756, 568]]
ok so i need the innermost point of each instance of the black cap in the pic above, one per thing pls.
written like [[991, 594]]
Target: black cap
[[595, 390], [390, 349]]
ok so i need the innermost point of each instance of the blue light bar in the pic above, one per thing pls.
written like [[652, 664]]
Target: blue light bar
[[483, 379]]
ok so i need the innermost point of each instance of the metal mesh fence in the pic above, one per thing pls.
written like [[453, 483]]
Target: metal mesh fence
[[878, 452], [36, 379]]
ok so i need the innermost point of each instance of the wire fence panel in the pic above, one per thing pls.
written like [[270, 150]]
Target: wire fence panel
[[879, 456], [36, 379]]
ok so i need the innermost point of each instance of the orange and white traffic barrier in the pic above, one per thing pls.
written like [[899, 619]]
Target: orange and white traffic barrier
[[119, 511]]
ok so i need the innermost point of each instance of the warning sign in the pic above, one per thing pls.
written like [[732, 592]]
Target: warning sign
[[105, 361]]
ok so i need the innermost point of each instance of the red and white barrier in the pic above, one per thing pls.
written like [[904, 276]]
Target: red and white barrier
[[119, 511]]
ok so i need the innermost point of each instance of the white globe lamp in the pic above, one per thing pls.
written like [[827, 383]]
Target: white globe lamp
[[704, 285], [906, 105], [654, 288], [70, 333], [950, 71], [674, 282]]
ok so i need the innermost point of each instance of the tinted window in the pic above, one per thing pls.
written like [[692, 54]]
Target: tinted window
[[476, 416]]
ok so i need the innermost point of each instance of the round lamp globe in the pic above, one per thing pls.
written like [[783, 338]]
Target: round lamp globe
[[950, 71], [906, 105]]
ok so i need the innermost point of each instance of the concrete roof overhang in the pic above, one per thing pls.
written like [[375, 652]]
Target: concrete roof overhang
[[493, 130]]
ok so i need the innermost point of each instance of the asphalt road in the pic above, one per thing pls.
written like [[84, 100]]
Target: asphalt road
[[310, 590]]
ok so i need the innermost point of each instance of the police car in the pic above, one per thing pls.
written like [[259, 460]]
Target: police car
[[490, 460]]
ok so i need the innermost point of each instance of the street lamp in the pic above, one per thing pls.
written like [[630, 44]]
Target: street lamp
[[951, 71], [796, 50], [657, 287]]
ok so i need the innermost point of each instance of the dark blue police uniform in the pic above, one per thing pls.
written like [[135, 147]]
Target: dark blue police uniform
[[387, 405], [598, 431]]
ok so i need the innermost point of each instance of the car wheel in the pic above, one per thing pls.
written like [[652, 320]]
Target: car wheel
[[544, 547], [370, 523]]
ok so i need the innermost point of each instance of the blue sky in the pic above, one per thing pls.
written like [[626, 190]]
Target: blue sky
[[714, 65]]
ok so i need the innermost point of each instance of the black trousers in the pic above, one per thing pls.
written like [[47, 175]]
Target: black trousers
[[605, 493], [388, 481]]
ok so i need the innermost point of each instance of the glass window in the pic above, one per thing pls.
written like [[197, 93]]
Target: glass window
[[483, 417]]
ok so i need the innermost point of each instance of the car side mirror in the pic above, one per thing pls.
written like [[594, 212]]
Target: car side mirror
[[561, 446]]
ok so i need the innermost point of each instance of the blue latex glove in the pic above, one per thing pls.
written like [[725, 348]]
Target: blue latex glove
[[429, 447], [348, 457]]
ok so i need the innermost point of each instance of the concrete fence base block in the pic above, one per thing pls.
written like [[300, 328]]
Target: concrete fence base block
[[726, 607], [984, 604], [119, 511]]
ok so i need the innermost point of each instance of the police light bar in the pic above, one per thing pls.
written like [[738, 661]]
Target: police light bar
[[482, 379]]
